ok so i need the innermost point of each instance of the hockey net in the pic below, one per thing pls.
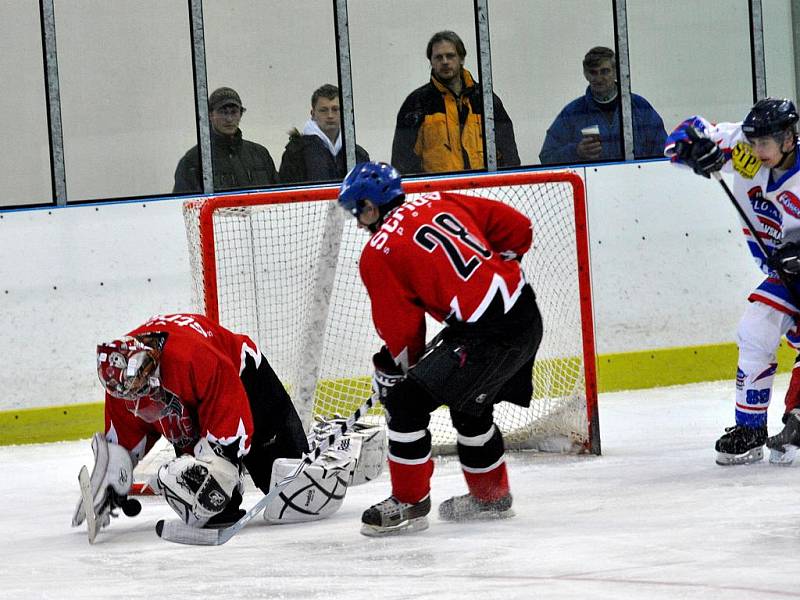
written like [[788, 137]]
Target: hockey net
[[282, 267]]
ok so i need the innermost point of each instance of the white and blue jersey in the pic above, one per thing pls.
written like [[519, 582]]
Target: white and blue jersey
[[772, 203]]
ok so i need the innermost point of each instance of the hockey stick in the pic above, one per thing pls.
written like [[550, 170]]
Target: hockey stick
[[695, 136], [181, 533], [754, 234]]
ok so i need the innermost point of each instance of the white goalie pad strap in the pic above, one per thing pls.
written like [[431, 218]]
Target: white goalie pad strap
[[365, 442], [369, 446], [316, 493], [198, 487], [113, 467]]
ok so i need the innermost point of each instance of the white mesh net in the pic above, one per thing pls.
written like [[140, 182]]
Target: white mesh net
[[286, 273]]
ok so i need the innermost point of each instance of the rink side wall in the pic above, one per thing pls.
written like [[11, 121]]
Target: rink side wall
[[670, 275]]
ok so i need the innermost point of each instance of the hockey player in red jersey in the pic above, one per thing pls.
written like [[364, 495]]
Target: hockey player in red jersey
[[456, 258], [212, 394]]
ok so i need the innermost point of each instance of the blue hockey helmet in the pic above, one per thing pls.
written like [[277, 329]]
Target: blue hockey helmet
[[378, 182], [769, 116]]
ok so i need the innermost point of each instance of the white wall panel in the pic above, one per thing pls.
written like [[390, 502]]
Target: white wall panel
[[73, 277], [670, 266]]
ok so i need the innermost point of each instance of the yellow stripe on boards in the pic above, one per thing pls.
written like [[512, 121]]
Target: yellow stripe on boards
[[51, 424], [675, 366], [623, 371]]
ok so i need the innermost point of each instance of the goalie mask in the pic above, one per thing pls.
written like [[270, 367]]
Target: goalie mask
[[128, 370]]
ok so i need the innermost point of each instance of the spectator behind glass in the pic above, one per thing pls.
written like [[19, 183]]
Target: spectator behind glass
[[237, 163], [439, 126], [589, 127], [317, 154]]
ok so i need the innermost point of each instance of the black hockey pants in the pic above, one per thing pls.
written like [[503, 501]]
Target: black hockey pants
[[468, 369], [277, 429]]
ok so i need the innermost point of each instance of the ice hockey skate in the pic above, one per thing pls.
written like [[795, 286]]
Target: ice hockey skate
[[741, 445], [392, 517], [783, 447], [469, 508]]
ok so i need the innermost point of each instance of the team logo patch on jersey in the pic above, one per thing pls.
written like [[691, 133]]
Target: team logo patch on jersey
[[790, 202], [744, 161]]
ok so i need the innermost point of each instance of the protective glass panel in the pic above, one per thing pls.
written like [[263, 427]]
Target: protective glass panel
[[274, 54], [537, 56], [779, 54], [388, 42], [24, 147], [127, 99], [685, 67]]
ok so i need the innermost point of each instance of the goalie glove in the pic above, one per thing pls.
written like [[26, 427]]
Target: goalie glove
[[109, 483], [201, 486], [785, 259], [700, 153], [386, 375]]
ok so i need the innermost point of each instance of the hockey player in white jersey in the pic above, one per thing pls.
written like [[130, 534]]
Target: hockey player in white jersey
[[761, 151]]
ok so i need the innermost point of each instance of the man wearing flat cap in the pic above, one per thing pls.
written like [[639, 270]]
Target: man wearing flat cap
[[237, 163]]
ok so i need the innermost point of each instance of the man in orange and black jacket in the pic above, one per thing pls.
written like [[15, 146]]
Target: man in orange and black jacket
[[439, 126]]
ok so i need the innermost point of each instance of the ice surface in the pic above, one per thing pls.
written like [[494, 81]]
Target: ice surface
[[653, 518]]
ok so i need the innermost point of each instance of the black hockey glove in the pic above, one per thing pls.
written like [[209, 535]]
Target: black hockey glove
[[785, 259], [387, 374], [700, 153]]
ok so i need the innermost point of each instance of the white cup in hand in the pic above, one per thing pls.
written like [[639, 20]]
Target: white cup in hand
[[592, 130], [590, 146]]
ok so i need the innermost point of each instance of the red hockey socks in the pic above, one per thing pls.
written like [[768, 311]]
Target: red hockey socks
[[793, 393], [410, 483], [489, 485]]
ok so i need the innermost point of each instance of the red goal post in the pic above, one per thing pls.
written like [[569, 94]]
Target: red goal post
[[281, 266]]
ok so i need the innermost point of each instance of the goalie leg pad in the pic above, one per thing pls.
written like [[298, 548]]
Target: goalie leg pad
[[315, 494], [198, 487], [111, 479], [365, 442], [368, 445]]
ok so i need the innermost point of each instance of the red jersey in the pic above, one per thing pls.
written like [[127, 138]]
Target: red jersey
[[199, 374], [445, 254]]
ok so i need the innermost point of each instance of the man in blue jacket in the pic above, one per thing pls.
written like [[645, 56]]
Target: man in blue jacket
[[589, 127]]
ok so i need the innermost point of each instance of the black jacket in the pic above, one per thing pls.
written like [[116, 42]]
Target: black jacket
[[307, 158], [237, 164]]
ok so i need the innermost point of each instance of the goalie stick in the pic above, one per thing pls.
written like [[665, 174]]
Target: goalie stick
[[181, 533], [88, 504]]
